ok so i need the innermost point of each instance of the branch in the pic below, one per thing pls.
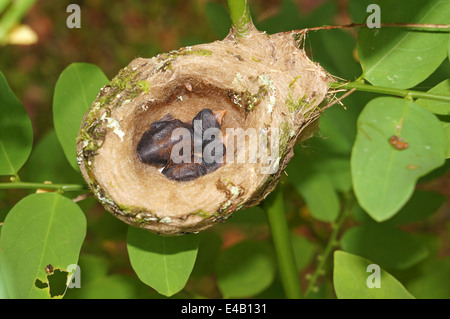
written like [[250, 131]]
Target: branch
[[416, 26], [332, 242], [58, 187], [389, 91], [241, 19]]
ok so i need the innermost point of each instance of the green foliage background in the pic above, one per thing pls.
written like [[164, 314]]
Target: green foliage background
[[399, 219]]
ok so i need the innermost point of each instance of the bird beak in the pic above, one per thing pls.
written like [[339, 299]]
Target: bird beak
[[219, 116]]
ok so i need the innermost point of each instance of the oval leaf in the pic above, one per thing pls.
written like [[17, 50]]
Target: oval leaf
[[47, 162], [75, 90], [431, 281], [245, 269], [40, 230], [163, 263], [420, 207], [351, 275], [385, 245], [397, 142], [316, 187], [396, 57], [16, 133]]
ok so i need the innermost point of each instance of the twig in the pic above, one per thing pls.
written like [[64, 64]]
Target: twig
[[425, 26], [59, 187], [390, 91], [332, 242], [82, 197], [339, 99]]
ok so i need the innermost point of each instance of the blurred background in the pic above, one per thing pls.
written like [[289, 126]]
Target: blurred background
[[112, 34]]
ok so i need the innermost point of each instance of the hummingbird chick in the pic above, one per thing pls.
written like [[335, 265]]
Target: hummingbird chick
[[156, 144]]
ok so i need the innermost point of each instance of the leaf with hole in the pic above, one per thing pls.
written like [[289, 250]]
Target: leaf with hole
[[397, 142], [399, 57], [40, 230], [16, 133], [163, 263], [351, 276], [75, 90]]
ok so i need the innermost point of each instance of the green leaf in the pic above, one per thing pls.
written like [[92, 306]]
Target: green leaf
[[338, 170], [437, 107], [384, 176], [40, 230], [16, 133], [314, 186], [421, 206], [303, 251], [401, 58], [245, 269], [385, 245], [446, 126], [97, 282], [3, 291], [357, 10], [208, 252], [163, 263], [431, 280], [75, 90], [351, 275], [47, 162], [333, 49]]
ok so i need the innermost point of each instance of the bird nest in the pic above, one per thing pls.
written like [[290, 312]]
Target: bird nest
[[272, 94]]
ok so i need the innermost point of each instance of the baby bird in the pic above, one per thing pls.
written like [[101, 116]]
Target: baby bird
[[156, 145]]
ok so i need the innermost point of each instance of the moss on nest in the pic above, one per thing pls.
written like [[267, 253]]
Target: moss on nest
[[266, 84]]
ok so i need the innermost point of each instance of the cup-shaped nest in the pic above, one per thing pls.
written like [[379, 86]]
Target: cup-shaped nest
[[272, 94]]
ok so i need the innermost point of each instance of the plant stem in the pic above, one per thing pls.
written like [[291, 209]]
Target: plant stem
[[274, 207], [415, 26], [390, 91], [59, 187], [241, 19], [12, 16], [332, 242]]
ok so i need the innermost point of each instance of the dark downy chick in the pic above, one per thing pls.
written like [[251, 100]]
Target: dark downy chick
[[204, 120], [156, 144]]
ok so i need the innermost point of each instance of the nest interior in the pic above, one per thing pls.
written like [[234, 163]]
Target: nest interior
[[265, 83]]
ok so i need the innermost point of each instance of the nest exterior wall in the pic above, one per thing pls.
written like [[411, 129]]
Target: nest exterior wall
[[264, 82]]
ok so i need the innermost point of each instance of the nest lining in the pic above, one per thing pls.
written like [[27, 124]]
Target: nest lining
[[264, 82]]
